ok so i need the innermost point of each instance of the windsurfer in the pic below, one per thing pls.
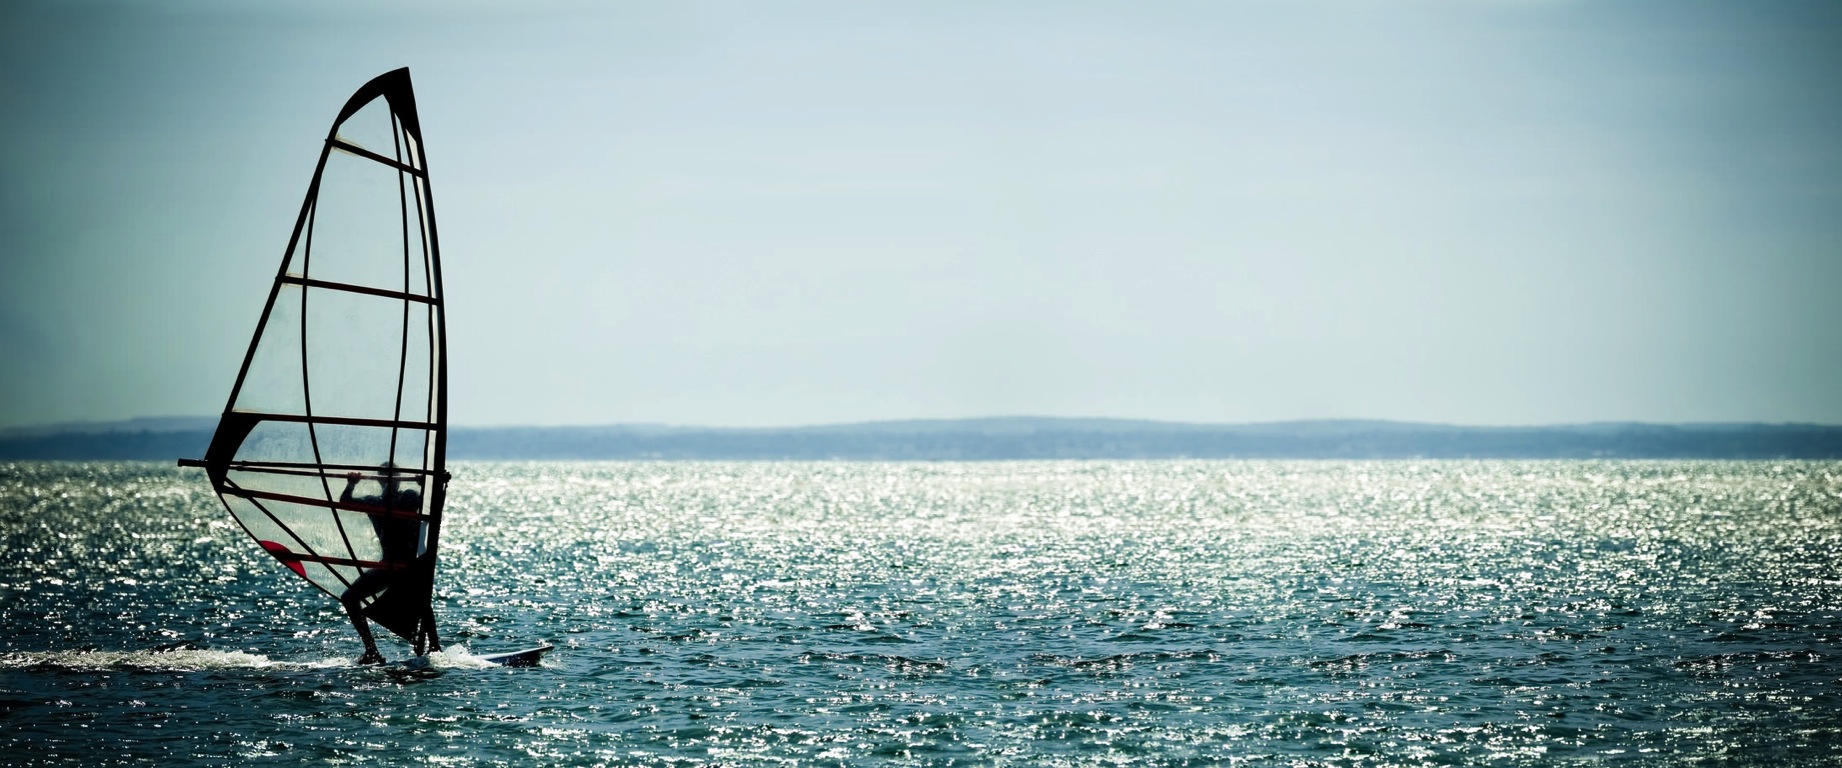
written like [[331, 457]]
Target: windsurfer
[[398, 537]]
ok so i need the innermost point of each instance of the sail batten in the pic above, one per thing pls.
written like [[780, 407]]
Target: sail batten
[[364, 289], [308, 469], [353, 149], [347, 506], [339, 420], [331, 452]]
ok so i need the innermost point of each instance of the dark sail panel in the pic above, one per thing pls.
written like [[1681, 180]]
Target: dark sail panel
[[331, 451]]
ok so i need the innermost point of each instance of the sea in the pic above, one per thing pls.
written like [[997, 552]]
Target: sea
[[1062, 613]]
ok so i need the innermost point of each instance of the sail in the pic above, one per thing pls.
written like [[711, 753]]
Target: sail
[[331, 450]]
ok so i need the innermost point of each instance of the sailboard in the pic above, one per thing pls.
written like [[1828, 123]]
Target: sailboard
[[332, 449]]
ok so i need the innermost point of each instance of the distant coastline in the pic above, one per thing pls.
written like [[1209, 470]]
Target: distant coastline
[[1008, 438]]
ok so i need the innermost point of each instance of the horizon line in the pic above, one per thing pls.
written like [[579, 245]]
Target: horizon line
[[206, 421]]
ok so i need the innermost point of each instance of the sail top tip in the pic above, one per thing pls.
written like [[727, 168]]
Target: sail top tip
[[393, 86]]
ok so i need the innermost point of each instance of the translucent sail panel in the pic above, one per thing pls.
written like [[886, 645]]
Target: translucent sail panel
[[273, 382], [333, 450], [367, 228], [369, 356], [334, 352], [374, 129]]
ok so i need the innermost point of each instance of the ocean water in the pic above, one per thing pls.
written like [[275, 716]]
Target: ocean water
[[1031, 613]]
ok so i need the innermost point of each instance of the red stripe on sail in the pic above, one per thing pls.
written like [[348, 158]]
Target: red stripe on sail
[[287, 558]]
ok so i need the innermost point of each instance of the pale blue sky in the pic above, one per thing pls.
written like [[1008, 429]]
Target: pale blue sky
[[787, 213]]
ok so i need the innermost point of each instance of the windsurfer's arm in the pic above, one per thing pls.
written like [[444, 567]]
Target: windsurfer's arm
[[351, 483]]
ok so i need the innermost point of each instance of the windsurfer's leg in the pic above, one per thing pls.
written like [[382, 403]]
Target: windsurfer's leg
[[371, 656], [367, 584]]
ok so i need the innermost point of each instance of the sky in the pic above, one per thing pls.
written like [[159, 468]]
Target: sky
[[756, 214]]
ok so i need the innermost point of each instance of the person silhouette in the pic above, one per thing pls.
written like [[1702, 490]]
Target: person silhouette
[[399, 536]]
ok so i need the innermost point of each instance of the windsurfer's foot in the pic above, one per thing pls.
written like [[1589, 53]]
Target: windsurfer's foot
[[371, 657]]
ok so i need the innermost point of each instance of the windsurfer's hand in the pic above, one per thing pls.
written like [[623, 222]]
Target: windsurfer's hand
[[352, 477]]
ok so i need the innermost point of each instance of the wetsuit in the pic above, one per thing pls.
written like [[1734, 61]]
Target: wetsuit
[[399, 538]]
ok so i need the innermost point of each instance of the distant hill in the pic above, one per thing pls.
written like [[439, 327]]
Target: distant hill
[[1006, 438], [135, 439]]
